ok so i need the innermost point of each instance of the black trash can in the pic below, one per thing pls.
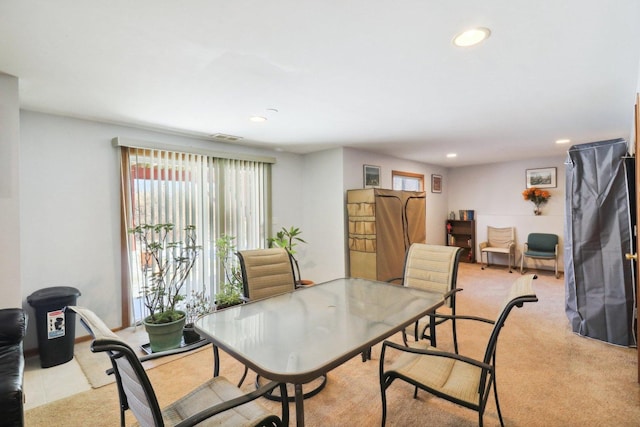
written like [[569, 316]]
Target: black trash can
[[56, 327]]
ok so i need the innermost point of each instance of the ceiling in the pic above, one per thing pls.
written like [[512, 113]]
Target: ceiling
[[379, 75]]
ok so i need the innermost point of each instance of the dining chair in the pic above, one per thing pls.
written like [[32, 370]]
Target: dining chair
[[540, 246], [216, 402], [266, 273], [500, 240], [463, 380], [432, 268]]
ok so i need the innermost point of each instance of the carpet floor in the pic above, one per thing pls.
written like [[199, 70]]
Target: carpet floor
[[547, 375]]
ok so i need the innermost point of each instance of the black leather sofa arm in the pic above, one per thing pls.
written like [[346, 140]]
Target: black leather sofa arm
[[13, 327]]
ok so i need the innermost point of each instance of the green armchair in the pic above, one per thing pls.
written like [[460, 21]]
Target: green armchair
[[540, 246]]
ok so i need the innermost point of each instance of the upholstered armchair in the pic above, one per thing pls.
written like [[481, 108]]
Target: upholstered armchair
[[540, 246], [499, 241]]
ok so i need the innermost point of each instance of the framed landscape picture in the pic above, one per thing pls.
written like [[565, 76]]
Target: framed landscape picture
[[541, 178], [371, 176]]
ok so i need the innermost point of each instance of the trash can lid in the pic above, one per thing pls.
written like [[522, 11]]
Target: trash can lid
[[53, 293]]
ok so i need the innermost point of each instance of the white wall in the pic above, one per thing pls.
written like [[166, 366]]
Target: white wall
[[437, 203], [70, 206], [10, 280], [323, 226], [494, 191]]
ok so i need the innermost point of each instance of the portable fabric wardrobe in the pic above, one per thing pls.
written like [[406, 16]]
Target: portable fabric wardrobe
[[600, 216]]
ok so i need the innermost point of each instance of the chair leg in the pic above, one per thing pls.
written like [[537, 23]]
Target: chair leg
[[244, 375], [216, 361], [510, 263], [383, 394], [432, 332], [455, 335], [366, 355], [522, 264], [495, 393]]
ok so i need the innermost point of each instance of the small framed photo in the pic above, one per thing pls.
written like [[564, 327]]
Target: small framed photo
[[371, 176], [541, 178], [436, 183]]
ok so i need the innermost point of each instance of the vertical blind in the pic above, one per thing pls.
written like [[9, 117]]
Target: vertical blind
[[219, 196]]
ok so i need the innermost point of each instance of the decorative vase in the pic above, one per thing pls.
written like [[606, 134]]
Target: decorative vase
[[165, 336], [537, 211]]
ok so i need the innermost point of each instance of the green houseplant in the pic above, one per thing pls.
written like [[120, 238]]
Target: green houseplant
[[288, 239], [167, 265], [230, 287]]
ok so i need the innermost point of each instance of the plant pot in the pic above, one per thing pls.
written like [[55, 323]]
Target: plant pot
[[190, 335], [165, 336], [222, 306]]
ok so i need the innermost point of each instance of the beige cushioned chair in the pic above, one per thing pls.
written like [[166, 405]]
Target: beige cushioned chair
[[432, 268], [462, 380], [216, 402], [266, 272], [499, 241]]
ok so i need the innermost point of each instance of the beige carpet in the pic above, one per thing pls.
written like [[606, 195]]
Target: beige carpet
[[94, 365], [547, 376]]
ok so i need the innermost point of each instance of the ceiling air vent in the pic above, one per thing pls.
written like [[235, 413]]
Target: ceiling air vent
[[225, 137]]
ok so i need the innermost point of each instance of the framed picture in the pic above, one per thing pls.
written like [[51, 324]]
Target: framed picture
[[436, 183], [371, 176], [541, 178]]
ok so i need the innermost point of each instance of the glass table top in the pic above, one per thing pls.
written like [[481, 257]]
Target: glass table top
[[295, 337]]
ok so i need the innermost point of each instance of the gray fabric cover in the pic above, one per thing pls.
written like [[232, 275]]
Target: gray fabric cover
[[599, 280]]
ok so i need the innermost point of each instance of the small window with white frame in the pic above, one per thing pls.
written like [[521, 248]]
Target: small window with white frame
[[407, 181]]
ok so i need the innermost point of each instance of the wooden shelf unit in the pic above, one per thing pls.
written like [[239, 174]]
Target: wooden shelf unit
[[462, 234]]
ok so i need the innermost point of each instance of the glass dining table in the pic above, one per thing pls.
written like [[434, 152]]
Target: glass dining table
[[299, 336]]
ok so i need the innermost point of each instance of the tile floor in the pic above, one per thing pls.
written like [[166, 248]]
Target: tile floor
[[44, 385]]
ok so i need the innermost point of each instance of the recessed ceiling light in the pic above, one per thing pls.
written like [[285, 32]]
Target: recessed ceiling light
[[452, 155], [563, 141], [258, 119], [471, 37]]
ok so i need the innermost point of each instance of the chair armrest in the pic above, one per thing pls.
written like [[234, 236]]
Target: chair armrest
[[450, 293], [225, 406], [484, 245], [462, 317], [432, 352]]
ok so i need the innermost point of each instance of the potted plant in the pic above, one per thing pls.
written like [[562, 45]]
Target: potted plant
[[167, 266], [196, 305], [288, 239], [230, 288]]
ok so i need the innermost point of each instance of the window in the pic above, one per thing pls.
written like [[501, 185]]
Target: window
[[407, 181], [218, 195]]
